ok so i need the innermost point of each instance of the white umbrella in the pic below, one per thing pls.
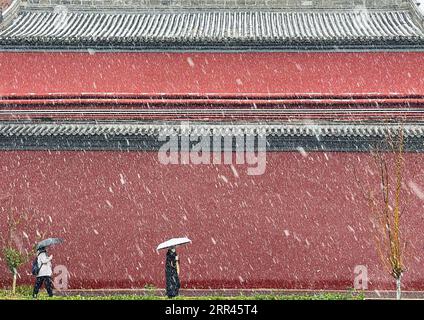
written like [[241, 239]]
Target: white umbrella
[[172, 243]]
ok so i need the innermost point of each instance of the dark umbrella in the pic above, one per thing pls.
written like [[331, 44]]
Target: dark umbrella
[[48, 242]]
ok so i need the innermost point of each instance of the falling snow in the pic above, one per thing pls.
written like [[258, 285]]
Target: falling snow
[[80, 134]]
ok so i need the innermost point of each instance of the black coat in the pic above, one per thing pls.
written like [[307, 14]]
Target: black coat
[[172, 279]]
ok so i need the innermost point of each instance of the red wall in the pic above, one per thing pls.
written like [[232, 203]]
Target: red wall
[[326, 73], [236, 222], [113, 208]]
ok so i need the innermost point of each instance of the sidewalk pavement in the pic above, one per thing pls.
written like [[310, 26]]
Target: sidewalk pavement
[[369, 295]]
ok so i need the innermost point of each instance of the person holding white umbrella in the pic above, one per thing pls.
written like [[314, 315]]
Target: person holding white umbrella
[[172, 266], [172, 271]]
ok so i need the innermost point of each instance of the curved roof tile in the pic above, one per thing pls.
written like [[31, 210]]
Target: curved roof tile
[[78, 27], [377, 130]]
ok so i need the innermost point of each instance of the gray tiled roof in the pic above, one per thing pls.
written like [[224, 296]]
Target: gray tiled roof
[[77, 26], [376, 130]]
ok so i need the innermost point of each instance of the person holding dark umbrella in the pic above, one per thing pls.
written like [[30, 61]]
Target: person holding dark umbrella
[[172, 266], [44, 274], [43, 263], [172, 271]]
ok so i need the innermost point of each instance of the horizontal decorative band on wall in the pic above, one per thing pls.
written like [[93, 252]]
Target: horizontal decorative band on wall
[[151, 136]]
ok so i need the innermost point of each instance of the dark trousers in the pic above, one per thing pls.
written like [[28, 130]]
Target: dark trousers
[[47, 282], [172, 284]]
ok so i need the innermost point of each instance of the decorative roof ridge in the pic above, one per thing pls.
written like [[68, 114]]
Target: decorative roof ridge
[[179, 10], [69, 26], [135, 6]]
